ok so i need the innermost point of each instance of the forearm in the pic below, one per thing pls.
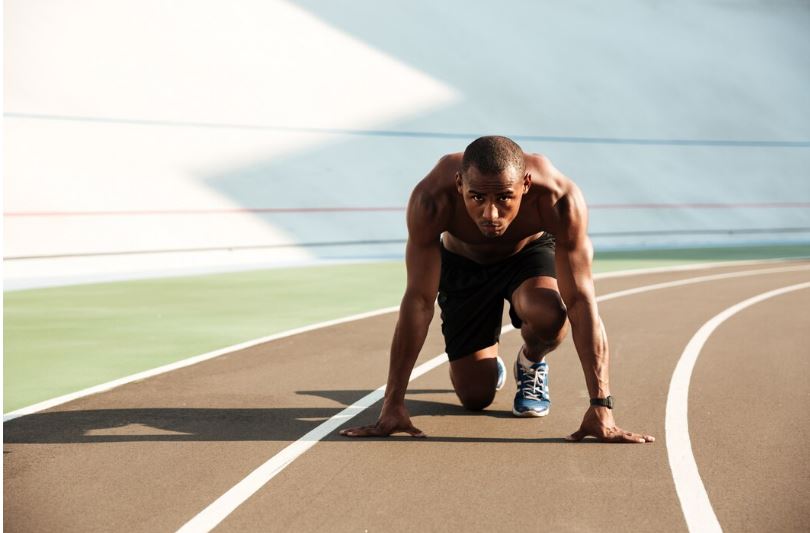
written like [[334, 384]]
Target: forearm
[[409, 337], [592, 346]]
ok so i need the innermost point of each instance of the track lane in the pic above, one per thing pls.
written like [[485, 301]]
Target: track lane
[[468, 473], [748, 416], [254, 402], [231, 412]]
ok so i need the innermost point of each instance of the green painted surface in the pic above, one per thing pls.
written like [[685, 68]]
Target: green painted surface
[[61, 340], [625, 260]]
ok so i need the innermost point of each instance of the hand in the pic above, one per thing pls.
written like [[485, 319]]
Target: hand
[[392, 420], [598, 422]]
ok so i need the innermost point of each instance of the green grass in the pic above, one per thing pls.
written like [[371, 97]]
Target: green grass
[[60, 340]]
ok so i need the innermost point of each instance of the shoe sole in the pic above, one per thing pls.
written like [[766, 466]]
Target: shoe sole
[[502, 384], [530, 414]]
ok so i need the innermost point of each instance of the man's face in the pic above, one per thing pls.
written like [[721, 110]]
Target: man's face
[[492, 200]]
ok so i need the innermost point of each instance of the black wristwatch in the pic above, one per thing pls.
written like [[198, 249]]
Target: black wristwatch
[[604, 402]]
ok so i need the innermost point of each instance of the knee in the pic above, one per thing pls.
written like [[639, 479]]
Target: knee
[[474, 381], [546, 315], [476, 400]]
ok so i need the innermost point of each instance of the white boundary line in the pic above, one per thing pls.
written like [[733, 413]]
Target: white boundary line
[[699, 279], [697, 509], [223, 506], [186, 362], [694, 266], [236, 496], [47, 404]]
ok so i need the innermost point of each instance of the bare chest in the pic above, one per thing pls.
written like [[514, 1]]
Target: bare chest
[[463, 236]]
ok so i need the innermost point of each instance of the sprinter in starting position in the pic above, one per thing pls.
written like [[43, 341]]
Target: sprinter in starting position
[[489, 225]]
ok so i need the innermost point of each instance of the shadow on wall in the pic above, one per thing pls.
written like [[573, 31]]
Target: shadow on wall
[[533, 75]]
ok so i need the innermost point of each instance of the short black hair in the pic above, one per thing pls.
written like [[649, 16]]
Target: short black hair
[[493, 154]]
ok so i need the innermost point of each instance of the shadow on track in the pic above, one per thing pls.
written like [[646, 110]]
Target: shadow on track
[[210, 424]]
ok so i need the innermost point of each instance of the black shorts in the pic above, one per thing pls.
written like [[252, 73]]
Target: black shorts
[[471, 295]]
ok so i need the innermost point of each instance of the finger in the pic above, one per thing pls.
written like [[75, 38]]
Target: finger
[[417, 433], [577, 436], [410, 430], [367, 431], [638, 437], [626, 436], [354, 429]]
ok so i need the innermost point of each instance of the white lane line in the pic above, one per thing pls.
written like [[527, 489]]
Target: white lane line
[[699, 279], [47, 404], [693, 266], [217, 511], [697, 509]]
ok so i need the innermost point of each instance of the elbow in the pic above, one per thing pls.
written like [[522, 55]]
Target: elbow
[[418, 303], [580, 303]]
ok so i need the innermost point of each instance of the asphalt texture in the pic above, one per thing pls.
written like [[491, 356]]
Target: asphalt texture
[[150, 455]]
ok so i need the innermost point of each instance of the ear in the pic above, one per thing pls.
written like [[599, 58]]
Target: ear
[[459, 183], [527, 182]]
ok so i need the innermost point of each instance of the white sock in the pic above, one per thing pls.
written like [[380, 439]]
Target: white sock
[[523, 360]]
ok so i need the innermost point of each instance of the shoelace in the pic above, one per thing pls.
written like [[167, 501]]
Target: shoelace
[[533, 384]]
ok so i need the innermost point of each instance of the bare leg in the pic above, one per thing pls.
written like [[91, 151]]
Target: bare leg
[[474, 378], [538, 303]]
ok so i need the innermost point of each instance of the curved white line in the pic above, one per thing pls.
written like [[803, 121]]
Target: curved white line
[[697, 509], [53, 402], [223, 506]]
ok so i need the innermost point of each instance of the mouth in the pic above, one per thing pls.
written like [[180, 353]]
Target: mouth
[[490, 229]]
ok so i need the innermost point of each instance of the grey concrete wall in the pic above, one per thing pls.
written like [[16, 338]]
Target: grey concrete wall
[[157, 108]]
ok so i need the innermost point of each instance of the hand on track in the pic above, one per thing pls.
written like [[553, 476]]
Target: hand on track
[[598, 422], [392, 420]]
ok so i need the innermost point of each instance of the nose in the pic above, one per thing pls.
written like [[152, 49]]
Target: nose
[[490, 212]]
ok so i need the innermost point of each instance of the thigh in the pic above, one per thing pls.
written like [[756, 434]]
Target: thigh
[[471, 302], [538, 301], [534, 280]]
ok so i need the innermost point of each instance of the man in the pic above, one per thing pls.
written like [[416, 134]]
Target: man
[[480, 229]]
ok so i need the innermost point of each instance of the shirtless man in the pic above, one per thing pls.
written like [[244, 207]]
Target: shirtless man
[[480, 229]]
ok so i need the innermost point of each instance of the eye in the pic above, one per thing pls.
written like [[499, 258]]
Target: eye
[[504, 198], [477, 197]]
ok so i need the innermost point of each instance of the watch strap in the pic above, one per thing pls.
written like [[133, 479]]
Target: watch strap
[[603, 402]]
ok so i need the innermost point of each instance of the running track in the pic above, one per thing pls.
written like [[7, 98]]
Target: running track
[[153, 454]]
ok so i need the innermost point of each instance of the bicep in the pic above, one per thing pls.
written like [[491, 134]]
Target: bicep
[[423, 263], [423, 250], [574, 271], [574, 253]]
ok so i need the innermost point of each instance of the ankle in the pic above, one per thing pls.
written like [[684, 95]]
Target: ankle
[[528, 360]]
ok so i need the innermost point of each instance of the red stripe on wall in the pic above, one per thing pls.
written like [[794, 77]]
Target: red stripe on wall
[[282, 210]]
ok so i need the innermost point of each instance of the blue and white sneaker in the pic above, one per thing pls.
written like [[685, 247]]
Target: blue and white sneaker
[[532, 398], [501, 373]]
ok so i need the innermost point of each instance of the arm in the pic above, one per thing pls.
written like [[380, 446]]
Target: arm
[[423, 263], [574, 255]]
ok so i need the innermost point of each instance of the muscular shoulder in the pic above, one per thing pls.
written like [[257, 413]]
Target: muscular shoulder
[[561, 201], [430, 206], [546, 176]]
